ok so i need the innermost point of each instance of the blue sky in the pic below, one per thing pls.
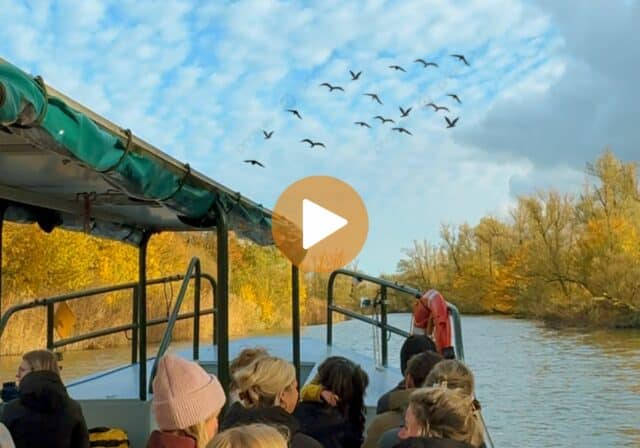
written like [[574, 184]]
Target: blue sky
[[201, 80]]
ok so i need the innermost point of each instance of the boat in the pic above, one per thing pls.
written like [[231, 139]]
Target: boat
[[64, 166]]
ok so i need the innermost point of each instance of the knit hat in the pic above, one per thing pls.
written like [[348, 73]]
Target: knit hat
[[184, 394]]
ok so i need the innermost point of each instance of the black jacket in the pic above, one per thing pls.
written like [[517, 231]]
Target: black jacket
[[238, 415], [44, 416], [325, 424], [427, 442], [383, 401]]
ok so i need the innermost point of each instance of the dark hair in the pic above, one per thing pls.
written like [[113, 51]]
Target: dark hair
[[420, 365], [347, 380], [414, 344]]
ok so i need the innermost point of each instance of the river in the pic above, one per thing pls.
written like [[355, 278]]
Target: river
[[539, 387]]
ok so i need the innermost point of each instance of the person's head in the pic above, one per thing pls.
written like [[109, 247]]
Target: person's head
[[244, 358], [268, 381], [414, 344], [37, 360], [442, 413], [256, 435], [349, 382], [419, 366], [452, 373], [186, 399]]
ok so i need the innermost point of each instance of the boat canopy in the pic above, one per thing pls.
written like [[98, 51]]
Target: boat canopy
[[62, 165]]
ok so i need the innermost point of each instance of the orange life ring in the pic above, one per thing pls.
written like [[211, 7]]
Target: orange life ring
[[432, 307]]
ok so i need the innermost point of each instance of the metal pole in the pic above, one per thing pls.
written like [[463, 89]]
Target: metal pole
[[295, 317], [196, 314], [332, 278], [3, 209], [222, 299], [49, 326], [134, 331], [383, 332], [142, 314]]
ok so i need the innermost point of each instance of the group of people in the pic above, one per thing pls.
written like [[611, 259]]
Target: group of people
[[432, 407]]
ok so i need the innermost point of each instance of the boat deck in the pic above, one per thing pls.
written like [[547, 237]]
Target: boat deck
[[122, 383]]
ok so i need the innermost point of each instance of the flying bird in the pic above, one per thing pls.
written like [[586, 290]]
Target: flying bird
[[451, 124], [373, 96], [312, 143], [295, 112], [254, 162], [382, 119], [355, 76], [405, 113], [436, 108], [455, 97], [362, 123], [331, 88], [425, 63], [267, 135], [460, 57], [397, 67], [401, 130]]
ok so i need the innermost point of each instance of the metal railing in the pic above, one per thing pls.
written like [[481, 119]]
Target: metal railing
[[382, 324], [49, 303], [194, 265]]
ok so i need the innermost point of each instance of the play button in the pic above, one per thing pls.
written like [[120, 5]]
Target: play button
[[320, 223]]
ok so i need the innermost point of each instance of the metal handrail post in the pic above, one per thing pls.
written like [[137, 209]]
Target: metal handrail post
[[222, 299], [196, 313], [295, 317], [142, 314], [50, 325], [383, 328]]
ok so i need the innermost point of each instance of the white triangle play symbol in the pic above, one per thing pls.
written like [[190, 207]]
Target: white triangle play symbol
[[318, 223]]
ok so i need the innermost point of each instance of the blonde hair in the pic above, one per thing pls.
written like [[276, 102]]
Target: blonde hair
[[446, 414], [256, 435], [244, 358], [198, 432], [40, 360], [261, 382], [453, 374]]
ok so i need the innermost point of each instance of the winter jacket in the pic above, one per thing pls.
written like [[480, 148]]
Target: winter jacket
[[397, 402], [159, 439], [327, 425], [383, 402], [44, 416], [238, 415]]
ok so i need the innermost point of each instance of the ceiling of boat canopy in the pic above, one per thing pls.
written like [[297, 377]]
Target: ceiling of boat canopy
[[62, 165]]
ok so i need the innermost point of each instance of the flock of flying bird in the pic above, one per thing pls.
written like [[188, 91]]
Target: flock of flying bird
[[374, 97]]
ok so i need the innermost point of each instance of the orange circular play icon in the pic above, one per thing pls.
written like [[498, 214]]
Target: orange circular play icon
[[320, 223]]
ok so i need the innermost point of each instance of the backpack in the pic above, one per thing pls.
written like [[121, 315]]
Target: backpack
[[108, 437]]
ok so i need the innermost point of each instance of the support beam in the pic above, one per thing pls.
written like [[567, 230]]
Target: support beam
[[222, 299], [295, 318], [142, 314], [3, 209]]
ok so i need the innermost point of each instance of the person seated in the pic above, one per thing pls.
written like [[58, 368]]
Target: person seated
[[256, 435], [44, 414], [268, 393], [431, 317], [186, 403], [244, 358], [439, 417], [417, 370], [413, 345], [341, 425]]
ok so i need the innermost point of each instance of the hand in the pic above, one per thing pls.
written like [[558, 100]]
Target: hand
[[329, 397]]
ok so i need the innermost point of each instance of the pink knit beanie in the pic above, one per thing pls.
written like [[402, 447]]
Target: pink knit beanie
[[184, 394]]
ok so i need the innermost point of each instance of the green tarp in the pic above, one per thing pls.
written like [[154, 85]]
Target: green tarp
[[24, 102]]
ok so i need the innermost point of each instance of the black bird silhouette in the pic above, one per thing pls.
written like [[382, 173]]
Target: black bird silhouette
[[295, 112], [451, 124], [397, 67], [267, 135], [355, 76], [455, 97], [312, 143], [362, 123], [436, 108], [332, 88], [425, 63], [382, 119], [460, 57], [404, 113], [254, 162], [373, 97], [401, 130]]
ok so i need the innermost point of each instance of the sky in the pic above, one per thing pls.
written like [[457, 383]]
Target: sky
[[550, 85]]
